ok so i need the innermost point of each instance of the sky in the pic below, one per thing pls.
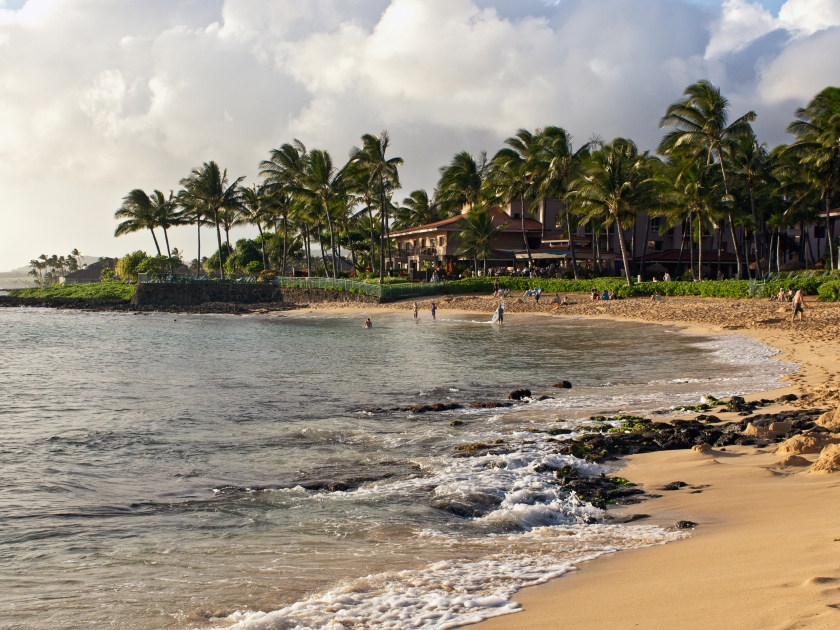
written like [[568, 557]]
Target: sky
[[98, 97]]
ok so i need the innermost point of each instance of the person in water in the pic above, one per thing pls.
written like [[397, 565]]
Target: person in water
[[434, 310], [501, 312], [416, 310], [368, 323]]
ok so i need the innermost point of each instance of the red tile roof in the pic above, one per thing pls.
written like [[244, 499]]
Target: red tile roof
[[499, 219]]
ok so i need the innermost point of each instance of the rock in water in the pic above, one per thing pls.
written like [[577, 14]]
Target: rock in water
[[829, 460], [685, 525], [562, 385], [794, 460], [519, 394]]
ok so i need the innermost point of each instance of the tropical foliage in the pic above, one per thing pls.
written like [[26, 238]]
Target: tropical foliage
[[711, 176]]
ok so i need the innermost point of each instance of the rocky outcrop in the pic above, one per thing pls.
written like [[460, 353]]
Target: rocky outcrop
[[197, 293], [829, 460], [807, 443]]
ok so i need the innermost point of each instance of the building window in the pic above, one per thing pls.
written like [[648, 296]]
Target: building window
[[442, 241], [558, 221], [515, 215], [655, 223], [654, 246]]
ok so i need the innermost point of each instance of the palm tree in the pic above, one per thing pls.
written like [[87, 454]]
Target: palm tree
[[321, 183], [168, 215], [751, 165], [556, 164], [257, 210], [512, 175], [208, 185], [817, 131], [383, 172], [615, 181], [193, 212], [140, 213], [461, 183], [477, 234], [418, 209], [700, 128]]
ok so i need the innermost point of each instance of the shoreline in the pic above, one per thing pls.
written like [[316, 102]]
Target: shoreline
[[765, 553]]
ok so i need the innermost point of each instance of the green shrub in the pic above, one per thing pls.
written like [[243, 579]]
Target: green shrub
[[830, 291], [91, 291]]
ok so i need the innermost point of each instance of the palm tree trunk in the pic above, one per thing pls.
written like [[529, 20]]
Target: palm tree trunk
[[262, 244], [571, 240], [219, 239], [699, 246], [350, 244], [308, 243], [198, 256], [682, 247], [323, 253], [623, 246], [632, 243], [524, 235], [719, 246], [778, 249], [168, 251], [828, 234], [644, 246], [372, 239], [382, 228], [285, 237], [691, 245], [332, 240], [156, 241]]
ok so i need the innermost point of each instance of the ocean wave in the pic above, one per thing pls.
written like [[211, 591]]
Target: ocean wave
[[447, 594]]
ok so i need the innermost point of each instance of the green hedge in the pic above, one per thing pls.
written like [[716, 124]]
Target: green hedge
[[713, 288], [830, 291], [92, 291]]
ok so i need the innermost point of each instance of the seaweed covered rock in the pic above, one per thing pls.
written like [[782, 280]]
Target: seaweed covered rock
[[519, 394]]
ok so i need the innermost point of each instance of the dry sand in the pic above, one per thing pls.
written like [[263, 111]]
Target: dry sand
[[766, 551]]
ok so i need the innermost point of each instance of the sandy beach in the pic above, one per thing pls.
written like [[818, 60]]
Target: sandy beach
[[766, 549]]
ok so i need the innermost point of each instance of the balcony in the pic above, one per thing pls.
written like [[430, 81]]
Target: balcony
[[423, 253]]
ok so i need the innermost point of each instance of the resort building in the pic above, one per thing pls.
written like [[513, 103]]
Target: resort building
[[89, 273], [652, 248]]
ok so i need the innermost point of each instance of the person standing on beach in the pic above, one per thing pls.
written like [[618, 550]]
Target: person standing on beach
[[798, 305], [434, 310], [416, 310]]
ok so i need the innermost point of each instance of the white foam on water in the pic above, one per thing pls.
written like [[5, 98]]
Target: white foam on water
[[452, 593]]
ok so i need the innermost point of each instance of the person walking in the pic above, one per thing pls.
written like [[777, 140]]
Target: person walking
[[434, 310], [798, 305]]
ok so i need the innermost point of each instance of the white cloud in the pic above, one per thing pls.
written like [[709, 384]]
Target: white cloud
[[101, 96]]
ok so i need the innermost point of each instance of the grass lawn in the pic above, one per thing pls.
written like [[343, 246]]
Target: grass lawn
[[92, 291]]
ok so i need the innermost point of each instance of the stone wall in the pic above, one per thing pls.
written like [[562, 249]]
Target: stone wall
[[163, 294]]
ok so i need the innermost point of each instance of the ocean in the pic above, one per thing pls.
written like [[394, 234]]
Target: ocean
[[265, 472]]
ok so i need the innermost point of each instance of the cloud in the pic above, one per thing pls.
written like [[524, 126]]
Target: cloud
[[101, 96]]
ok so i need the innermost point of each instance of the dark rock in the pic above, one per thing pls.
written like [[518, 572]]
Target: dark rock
[[707, 418], [519, 394], [636, 517], [562, 385], [456, 423], [787, 398], [685, 525], [674, 485], [544, 398], [434, 407]]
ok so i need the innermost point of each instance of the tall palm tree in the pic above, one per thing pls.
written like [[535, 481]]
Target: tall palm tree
[[556, 164], [257, 210], [615, 181], [512, 175], [817, 131], [751, 164], [321, 184], [140, 213], [384, 173], [208, 185], [168, 215], [702, 129], [477, 234]]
